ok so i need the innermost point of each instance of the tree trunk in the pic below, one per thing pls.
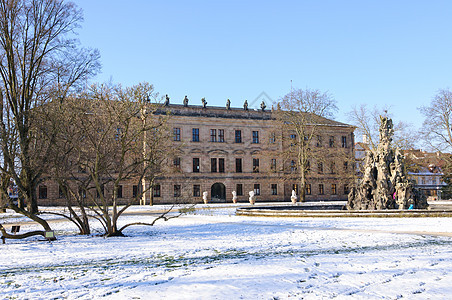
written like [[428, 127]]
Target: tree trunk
[[32, 203], [302, 187], [28, 214]]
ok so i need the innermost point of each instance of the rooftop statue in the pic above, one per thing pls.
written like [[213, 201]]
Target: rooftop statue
[[384, 184], [228, 104], [166, 100], [204, 102], [263, 106], [245, 105], [186, 101]]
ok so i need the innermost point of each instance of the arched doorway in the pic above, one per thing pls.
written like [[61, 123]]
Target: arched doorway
[[218, 192]]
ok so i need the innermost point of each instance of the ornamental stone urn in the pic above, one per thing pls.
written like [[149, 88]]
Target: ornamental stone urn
[[293, 198], [234, 197], [204, 197], [252, 198]]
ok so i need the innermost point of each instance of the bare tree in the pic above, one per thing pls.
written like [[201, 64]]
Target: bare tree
[[367, 122], [38, 61], [116, 136], [437, 130], [437, 127], [302, 114]]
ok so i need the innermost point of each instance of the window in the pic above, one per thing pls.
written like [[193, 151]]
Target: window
[[295, 188], [293, 167], [321, 190], [346, 166], [60, 192], [293, 138], [333, 167], [213, 165], [119, 191], [196, 190], [255, 165], [156, 190], [238, 136], [82, 193], [319, 141], [320, 167], [274, 189], [134, 191], [213, 135], [344, 142], [273, 165], [42, 192], [257, 189], [221, 135], [221, 165], [176, 162], [238, 165], [195, 165], [176, 132], [177, 191], [239, 189], [118, 134], [272, 138], [331, 141], [346, 189], [308, 165], [308, 189], [255, 137], [195, 133], [101, 190], [333, 189]]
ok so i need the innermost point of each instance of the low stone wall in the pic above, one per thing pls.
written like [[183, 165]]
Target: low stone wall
[[300, 212]]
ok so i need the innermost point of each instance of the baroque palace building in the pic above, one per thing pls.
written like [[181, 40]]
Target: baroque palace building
[[225, 149], [236, 149]]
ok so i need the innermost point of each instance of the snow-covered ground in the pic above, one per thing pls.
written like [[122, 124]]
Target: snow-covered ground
[[213, 254]]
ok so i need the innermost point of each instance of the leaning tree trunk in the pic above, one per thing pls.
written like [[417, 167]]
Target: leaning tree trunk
[[28, 214]]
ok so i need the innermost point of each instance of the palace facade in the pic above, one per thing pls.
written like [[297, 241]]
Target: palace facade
[[236, 149], [225, 149]]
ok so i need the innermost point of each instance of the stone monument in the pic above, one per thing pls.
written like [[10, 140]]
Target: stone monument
[[204, 197], [384, 184]]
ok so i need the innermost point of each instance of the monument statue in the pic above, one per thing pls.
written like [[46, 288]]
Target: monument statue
[[245, 105], [228, 104], [204, 102], [186, 101], [263, 106], [204, 197], [385, 184]]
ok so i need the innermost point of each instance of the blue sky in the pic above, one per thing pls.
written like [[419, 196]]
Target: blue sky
[[385, 53]]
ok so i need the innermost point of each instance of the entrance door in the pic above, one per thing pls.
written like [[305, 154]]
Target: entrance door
[[218, 192]]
